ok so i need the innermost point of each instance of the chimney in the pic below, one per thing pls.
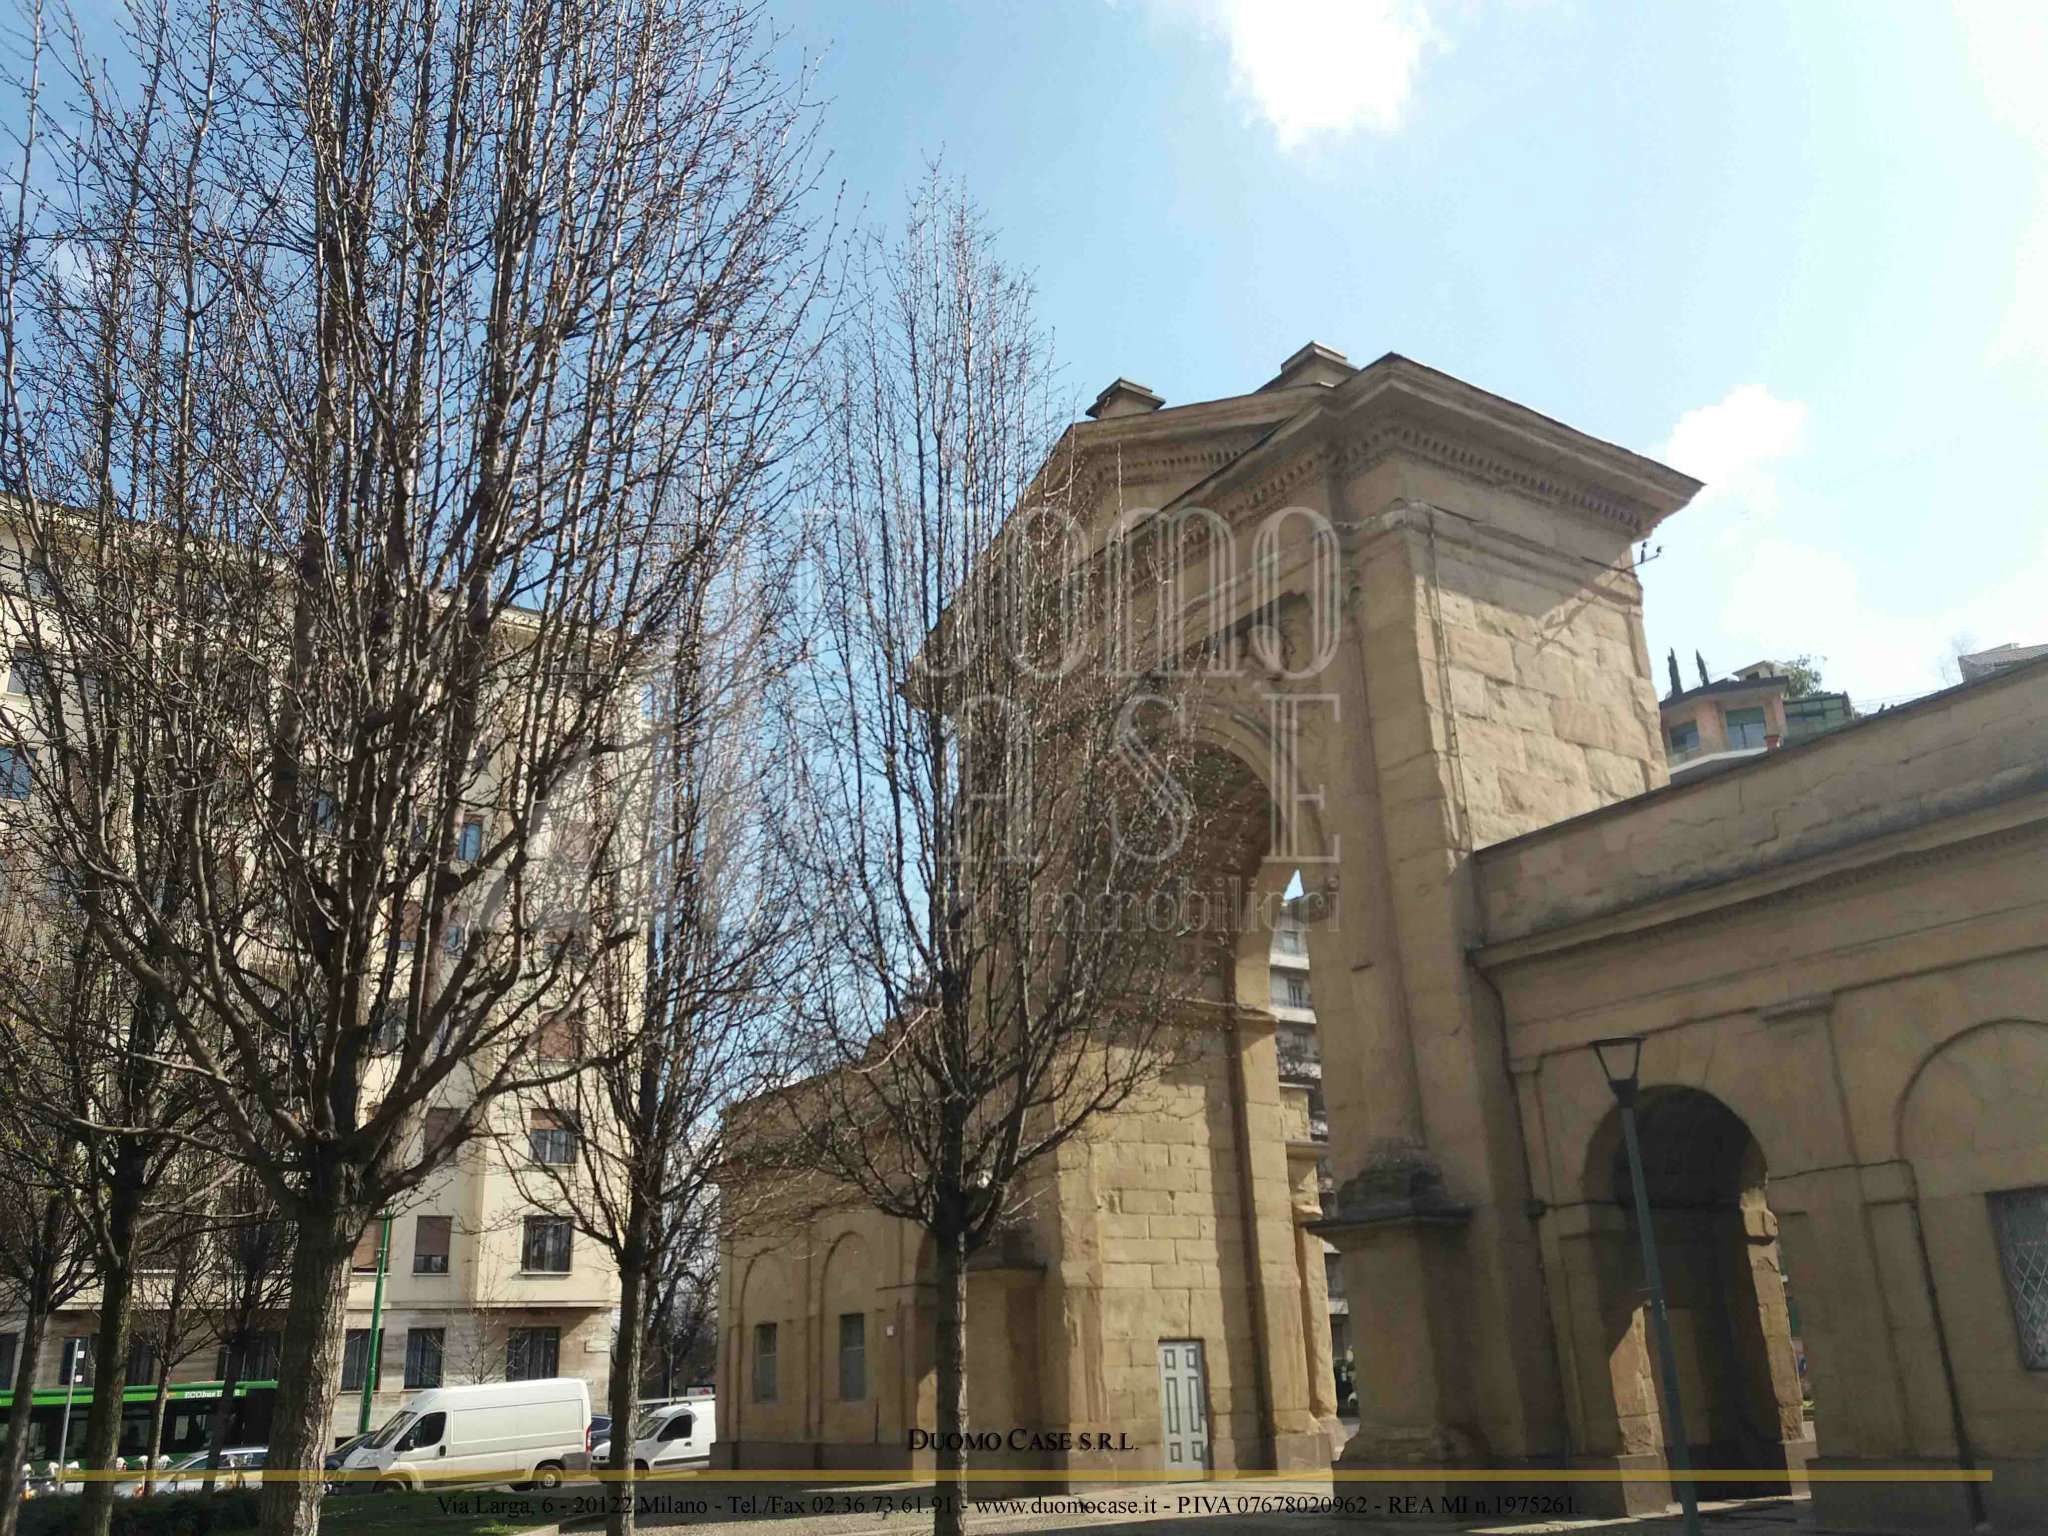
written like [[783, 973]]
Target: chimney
[[1313, 364], [1123, 398]]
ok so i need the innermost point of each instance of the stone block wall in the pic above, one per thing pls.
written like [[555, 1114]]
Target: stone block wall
[[1174, 1266]]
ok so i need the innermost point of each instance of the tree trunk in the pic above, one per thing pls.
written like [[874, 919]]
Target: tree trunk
[[236, 1351], [309, 1371], [156, 1421], [625, 1389], [33, 1329], [110, 1347], [949, 1517]]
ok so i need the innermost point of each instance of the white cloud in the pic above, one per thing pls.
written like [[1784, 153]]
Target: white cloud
[[1735, 445], [1738, 589], [1317, 67]]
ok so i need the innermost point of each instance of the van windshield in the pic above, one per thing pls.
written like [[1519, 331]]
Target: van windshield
[[393, 1428]]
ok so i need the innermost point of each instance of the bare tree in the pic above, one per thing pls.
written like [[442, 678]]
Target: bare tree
[[216, 1268], [992, 804], [44, 1262], [685, 1020], [168, 1328], [243, 1279], [358, 364], [682, 1330], [95, 1056]]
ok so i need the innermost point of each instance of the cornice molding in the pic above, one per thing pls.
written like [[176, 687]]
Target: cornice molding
[[1694, 911]]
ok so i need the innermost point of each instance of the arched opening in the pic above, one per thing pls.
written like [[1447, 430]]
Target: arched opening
[[1717, 1243]]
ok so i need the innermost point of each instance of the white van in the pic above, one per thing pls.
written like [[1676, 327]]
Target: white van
[[524, 1433], [670, 1434]]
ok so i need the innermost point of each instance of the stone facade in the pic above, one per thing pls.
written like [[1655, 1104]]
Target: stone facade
[[1427, 652]]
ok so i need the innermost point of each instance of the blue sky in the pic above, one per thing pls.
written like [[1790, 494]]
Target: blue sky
[[1799, 250]]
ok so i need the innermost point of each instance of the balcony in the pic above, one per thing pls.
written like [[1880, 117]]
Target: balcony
[[1298, 1066]]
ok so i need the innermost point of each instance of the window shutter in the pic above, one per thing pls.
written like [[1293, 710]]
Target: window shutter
[[439, 1123], [430, 1242], [365, 1256]]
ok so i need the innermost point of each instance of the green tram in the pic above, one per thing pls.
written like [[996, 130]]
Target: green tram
[[188, 1417]]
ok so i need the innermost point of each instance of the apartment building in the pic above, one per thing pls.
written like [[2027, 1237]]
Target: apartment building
[[478, 1276], [1299, 1048], [478, 1284]]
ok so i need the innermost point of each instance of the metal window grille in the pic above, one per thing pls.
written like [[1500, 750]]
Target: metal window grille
[[532, 1353], [423, 1357], [2020, 1217], [546, 1246], [355, 1359]]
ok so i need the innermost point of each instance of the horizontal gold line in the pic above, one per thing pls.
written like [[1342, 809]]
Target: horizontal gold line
[[818, 1479]]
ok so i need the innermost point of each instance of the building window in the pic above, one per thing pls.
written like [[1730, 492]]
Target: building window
[[469, 841], [853, 1356], [408, 925], [545, 1250], [1745, 728], [259, 1358], [2020, 1217], [764, 1362], [1333, 1273], [423, 1357], [438, 1126], [25, 677], [1685, 737], [548, 1138], [430, 1236], [532, 1353], [1297, 992], [355, 1359], [75, 1365], [15, 768], [1288, 941], [1298, 1054], [364, 1260], [141, 1363], [9, 1342], [558, 1037]]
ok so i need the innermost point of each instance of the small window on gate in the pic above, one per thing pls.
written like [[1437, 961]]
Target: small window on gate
[[853, 1356], [764, 1362], [2020, 1218]]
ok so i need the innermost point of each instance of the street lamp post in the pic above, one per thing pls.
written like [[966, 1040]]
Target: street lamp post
[[376, 1340], [74, 1373], [1620, 1059]]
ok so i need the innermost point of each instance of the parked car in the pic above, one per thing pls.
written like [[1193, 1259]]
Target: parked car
[[525, 1433], [337, 1458], [669, 1435], [188, 1473], [600, 1429]]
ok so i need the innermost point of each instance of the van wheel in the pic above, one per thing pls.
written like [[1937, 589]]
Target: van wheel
[[389, 1487], [548, 1476]]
